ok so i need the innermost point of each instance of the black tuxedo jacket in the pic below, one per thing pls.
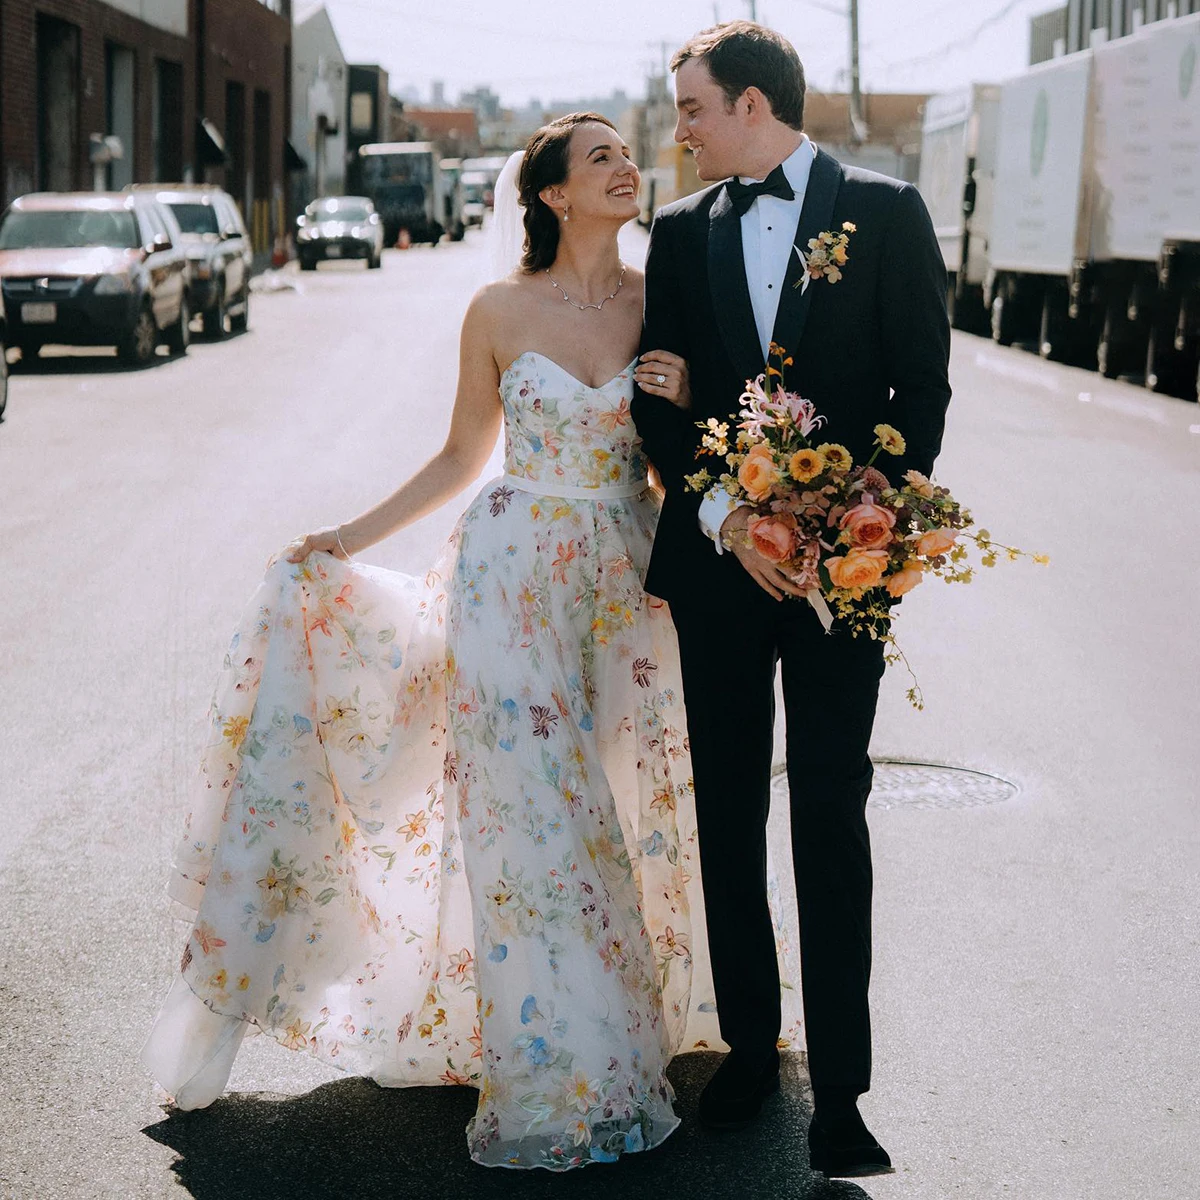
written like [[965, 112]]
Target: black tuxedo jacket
[[872, 347]]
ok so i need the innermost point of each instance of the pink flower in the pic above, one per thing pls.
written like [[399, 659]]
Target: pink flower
[[904, 581], [868, 526], [773, 537], [935, 542], [803, 413], [919, 484]]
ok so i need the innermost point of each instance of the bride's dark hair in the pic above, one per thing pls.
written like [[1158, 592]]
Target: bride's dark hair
[[546, 162]]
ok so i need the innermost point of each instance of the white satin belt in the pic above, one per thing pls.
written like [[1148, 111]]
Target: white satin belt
[[562, 491]]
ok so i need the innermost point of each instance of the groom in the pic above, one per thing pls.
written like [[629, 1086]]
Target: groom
[[871, 347]]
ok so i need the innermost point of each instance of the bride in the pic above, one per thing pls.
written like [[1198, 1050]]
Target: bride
[[445, 830]]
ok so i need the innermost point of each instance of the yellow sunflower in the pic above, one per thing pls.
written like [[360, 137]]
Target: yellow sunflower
[[836, 456], [890, 439], [805, 465]]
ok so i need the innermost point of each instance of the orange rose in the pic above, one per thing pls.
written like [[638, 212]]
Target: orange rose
[[857, 569], [773, 537], [758, 474], [935, 542], [869, 526], [904, 581]]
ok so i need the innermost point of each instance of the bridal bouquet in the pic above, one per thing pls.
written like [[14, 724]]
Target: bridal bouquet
[[851, 541]]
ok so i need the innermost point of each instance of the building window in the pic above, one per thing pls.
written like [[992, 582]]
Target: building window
[[119, 75], [235, 141], [362, 112], [58, 105], [168, 121]]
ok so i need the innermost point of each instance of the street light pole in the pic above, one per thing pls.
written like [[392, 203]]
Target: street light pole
[[858, 125]]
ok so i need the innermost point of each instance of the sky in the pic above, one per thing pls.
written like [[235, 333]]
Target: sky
[[563, 49]]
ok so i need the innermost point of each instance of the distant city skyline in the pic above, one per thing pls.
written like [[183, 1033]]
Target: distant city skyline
[[548, 51]]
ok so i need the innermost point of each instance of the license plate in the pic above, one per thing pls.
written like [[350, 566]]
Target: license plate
[[39, 314], [334, 251]]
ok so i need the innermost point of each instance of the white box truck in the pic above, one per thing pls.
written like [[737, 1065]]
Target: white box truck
[[1039, 229], [1095, 238], [956, 180]]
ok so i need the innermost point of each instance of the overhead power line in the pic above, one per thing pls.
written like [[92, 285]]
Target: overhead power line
[[961, 42]]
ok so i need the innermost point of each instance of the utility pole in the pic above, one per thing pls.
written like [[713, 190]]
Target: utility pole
[[858, 125]]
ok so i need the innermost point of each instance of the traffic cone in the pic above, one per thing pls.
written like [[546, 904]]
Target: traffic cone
[[404, 240]]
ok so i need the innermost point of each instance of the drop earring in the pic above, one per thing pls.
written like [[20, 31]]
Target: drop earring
[[567, 213]]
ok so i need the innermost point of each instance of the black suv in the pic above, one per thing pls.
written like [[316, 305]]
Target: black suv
[[94, 269], [218, 250]]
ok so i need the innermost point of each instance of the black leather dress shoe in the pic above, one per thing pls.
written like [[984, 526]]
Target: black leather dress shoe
[[842, 1147], [735, 1094]]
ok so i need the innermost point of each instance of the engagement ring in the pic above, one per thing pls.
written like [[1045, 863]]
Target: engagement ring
[[660, 379]]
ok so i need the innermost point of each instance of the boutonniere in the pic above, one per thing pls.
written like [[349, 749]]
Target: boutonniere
[[827, 255]]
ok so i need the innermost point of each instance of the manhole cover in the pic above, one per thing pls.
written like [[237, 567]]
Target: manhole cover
[[926, 785]]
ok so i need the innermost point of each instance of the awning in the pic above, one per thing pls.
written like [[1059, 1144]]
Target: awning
[[293, 160], [210, 145]]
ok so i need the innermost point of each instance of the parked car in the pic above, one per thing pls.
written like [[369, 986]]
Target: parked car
[[3, 361], [339, 227], [218, 250], [94, 269]]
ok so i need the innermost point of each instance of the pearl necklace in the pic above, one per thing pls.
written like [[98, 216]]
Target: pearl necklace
[[584, 307]]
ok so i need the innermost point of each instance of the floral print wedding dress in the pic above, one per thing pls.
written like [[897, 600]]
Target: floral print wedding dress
[[444, 832]]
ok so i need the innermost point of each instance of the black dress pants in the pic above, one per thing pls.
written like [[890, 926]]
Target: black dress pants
[[830, 687]]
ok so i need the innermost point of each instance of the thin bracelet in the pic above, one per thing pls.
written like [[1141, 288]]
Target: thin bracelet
[[337, 533]]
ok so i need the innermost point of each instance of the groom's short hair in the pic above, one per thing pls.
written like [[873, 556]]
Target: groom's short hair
[[742, 54]]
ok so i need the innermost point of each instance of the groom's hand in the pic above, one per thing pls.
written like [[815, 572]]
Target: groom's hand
[[762, 570]]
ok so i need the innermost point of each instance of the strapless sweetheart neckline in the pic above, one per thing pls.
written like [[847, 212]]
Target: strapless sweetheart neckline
[[570, 375]]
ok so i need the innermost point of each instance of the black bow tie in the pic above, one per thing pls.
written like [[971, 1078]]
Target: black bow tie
[[742, 195]]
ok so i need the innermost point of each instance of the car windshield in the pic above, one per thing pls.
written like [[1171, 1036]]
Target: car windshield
[[196, 218], [338, 210], [33, 229]]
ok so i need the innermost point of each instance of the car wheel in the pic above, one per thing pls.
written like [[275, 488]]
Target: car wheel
[[214, 318], [137, 347], [179, 335], [3, 382], [239, 322]]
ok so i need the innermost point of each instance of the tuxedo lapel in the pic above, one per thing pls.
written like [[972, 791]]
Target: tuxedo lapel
[[730, 292], [815, 217]]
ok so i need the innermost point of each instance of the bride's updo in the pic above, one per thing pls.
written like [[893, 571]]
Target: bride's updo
[[547, 162]]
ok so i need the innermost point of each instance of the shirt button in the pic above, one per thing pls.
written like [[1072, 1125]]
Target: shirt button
[[770, 286], [769, 228]]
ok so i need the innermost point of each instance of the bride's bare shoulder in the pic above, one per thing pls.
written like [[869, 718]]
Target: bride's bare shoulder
[[498, 303]]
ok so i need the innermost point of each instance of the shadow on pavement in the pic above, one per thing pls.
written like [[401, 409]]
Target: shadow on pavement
[[353, 1138]]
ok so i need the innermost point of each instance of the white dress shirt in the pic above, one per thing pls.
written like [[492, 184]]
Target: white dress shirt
[[768, 234]]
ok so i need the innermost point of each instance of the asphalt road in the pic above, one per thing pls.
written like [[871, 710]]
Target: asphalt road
[[1037, 960]]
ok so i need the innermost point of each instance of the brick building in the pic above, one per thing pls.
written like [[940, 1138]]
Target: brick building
[[455, 131], [71, 68], [243, 87], [194, 89]]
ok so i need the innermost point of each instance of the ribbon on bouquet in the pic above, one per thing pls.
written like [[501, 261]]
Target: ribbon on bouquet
[[814, 597]]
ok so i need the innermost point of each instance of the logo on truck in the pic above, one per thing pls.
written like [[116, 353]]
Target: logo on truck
[[1041, 127]]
